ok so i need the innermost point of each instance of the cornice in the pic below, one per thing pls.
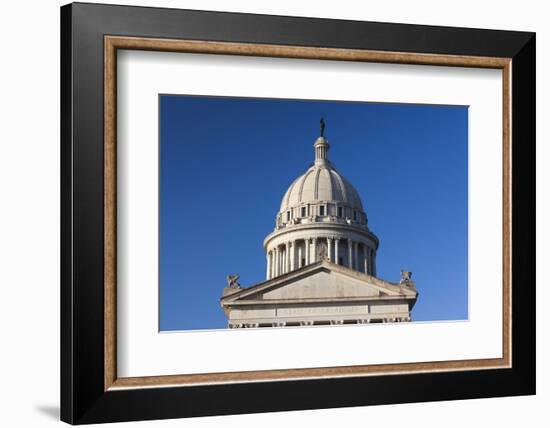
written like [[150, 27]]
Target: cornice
[[321, 226]]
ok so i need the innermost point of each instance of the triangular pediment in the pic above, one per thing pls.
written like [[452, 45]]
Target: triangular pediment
[[320, 284], [323, 280]]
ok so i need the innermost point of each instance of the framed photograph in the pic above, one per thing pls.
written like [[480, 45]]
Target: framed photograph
[[265, 213]]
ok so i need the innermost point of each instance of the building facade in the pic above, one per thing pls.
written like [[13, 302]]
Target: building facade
[[320, 261]]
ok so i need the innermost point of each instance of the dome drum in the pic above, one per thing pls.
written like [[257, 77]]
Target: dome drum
[[285, 256], [321, 212]]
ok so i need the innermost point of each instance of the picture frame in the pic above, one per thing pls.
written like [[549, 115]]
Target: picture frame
[[91, 391]]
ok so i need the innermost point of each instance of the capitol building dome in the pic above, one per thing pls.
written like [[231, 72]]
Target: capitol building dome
[[321, 217]]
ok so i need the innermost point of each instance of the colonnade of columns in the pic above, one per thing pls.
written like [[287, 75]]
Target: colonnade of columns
[[295, 254]]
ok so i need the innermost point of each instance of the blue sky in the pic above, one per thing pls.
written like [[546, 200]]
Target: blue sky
[[225, 164]]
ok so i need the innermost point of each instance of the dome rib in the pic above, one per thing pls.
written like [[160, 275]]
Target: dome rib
[[325, 190], [332, 183], [342, 184], [286, 198], [316, 191], [304, 179]]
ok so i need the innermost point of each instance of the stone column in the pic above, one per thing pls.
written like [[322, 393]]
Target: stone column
[[268, 269], [366, 257], [373, 263], [279, 257], [329, 252], [275, 261], [280, 261], [314, 251], [292, 255], [287, 257], [306, 249], [300, 257], [350, 254], [356, 255], [336, 245]]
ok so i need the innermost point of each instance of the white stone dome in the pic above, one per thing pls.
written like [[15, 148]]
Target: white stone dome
[[321, 183], [321, 194]]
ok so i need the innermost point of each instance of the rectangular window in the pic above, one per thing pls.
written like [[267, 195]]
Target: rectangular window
[[321, 210], [340, 260], [303, 211], [339, 211], [355, 215], [288, 216]]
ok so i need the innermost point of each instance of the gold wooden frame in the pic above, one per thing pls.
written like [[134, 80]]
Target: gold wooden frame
[[113, 43]]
